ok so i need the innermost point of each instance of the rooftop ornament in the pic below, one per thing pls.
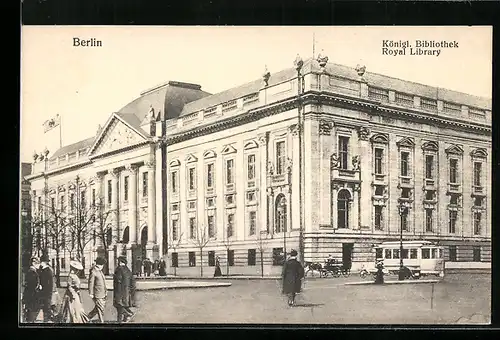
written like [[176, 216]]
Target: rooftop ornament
[[151, 113], [35, 156], [322, 60], [298, 63], [46, 152], [360, 70], [266, 76]]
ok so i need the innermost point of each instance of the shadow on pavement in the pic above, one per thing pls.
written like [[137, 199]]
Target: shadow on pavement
[[309, 304]]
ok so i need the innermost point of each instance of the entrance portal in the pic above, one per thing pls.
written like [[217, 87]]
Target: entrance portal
[[347, 254]]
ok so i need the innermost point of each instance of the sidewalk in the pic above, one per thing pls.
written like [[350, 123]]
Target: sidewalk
[[165, 284]]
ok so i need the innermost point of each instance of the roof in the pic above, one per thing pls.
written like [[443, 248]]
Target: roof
[[373, 79], [73, 147]]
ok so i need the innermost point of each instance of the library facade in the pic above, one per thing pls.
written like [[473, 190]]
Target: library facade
[[321, 158]]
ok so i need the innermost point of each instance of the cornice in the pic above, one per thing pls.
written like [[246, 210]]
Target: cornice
[[117, 151]]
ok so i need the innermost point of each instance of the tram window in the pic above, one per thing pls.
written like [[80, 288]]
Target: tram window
[[405, 253], [426, 253], [378, 253], [440, 253], [413, 253], [387, 253], [434, 253], [395, 253]]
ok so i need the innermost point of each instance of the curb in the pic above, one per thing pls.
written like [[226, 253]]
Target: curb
[[186, 287], [390, 282]]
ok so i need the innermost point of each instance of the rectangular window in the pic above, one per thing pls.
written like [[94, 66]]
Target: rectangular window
[[429, 166], [379, 156], [230, 171], [477, 174], [53, 203], [175, 260], [404, 253], [252, 216], [454, 200], [93, 197], [192, 227], [210, 175], [379, 190], [192, 259], [211, 258], [344, 152], [125, 188], [175, 231], [252, 257], [405, 166], [378, 217], [429, 195], [278, 258], [452, 222], [145, 184], [173, 180], [83, 201], [434, 253], [477, 223], [395, 253], [387, 254], [428, 220], [413, 253], [72, 202], [230, 225], [250, 167], [453, 171], [280, 158], [61, 203], [426, 253], [211, 226], [476, 253], [110, 191], [192, 179], [453, 253], [230, 257]]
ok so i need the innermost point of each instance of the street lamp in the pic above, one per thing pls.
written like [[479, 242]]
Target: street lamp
[[403, 210], [282, 210]]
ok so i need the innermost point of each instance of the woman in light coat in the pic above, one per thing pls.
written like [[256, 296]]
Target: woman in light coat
[[72, 311]]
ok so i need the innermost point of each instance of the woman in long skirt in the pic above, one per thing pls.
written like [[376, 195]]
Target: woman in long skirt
[[72, 311]]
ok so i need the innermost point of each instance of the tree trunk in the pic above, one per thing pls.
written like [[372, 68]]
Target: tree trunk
[[201, 263], [262, 263], [58, 270]]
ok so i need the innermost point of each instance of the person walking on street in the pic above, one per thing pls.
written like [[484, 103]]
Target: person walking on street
[[97, 289], [138, 265], [147, 267], [155, 267], [162, 268], [218, 272], [292, 275], [72, 311], [31, 286], [47, 288], [123, 291]]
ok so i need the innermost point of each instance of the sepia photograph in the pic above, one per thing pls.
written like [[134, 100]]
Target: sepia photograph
[[318, 175]]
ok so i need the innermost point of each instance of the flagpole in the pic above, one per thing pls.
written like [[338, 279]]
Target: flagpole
[[60, 131], [314, 40]]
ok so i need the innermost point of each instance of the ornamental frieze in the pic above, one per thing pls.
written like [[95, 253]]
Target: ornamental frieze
[[363, 133], [325, 128]]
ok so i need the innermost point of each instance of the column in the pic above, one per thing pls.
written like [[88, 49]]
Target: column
[[114, 207], [354, 224], [151, 247], [335, 192], [366, 169], [263, 182], [132, 212]]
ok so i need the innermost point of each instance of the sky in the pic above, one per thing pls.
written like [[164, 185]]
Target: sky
[[84, 85]]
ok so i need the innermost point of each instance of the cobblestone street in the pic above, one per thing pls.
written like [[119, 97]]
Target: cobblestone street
[[458, 298]]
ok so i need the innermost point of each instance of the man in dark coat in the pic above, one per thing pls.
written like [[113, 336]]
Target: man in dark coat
[[31, 285], [138, 266], [162, 266], [47, 288], [123, 291], [293, 272]]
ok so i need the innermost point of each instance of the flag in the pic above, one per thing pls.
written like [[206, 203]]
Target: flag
[[51, 123]]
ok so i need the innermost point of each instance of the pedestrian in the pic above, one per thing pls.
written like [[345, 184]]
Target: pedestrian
[[138, 265], [72, 311], [46, 276], [30, 293], [162, 268], [147, 267], [379, 276], [218, 272], [97, 289], [123, 291], [155, 267], [293, 272]]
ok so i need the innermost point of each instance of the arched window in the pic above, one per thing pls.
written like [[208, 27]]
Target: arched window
[[126, 235], [280, 214], [343, 208], [109, 236]]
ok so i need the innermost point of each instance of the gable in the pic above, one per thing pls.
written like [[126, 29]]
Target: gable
[[381, 138], [191, 158], [228, 149], [455, 149], [209, 154], [406, 142], [115, 136], [430, 146], [479, 153], [251, 145]]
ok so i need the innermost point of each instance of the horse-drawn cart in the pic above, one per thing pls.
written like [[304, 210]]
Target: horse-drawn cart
[[331, 268]]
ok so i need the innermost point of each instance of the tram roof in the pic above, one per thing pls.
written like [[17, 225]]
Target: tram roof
[[398, 243]]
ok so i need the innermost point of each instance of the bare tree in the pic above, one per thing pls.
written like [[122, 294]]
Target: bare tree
[[56, 233], [227, 242], [173, 244], [200, 240], [103, 229], [260, 247]]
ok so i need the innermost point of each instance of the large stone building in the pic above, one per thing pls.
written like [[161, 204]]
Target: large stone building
[[26, 235], [184, 171]]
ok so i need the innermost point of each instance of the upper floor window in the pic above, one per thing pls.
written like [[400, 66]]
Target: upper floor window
[[230, 171], [429, 166], [52, 203], [211, 226], [453, 170], [405, 166], [378, 217], [145, 184], [125, 188], [83, 201], [72, 202], [250, 167], [280, 158], [379, 157], [173, 180], [428, 220], [61, 203], [344, 152], [192, 227], [110, 192], [230, 225], [477, 223], [477, 174], [175, 231], [252, 216], [210, 175], [192, 179]]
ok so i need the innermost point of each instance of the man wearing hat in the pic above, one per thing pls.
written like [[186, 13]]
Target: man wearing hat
[[293, 272], [47, 288], [31, 285], [97, 289], [123, 291]]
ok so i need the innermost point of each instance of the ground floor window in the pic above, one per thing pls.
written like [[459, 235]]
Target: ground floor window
[[175, 260], [211, 258], [378, 217], [63, 263], [230, 257], [251, 257], [278, 256], [192, 259], [453, 253], [476, 254]]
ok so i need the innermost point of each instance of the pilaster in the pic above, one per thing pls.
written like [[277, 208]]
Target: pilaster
[[325, 150], [132, 205], [151, 203], [366, 169], [263, 206]]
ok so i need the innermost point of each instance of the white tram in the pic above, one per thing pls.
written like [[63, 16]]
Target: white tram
[[421, 257]]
